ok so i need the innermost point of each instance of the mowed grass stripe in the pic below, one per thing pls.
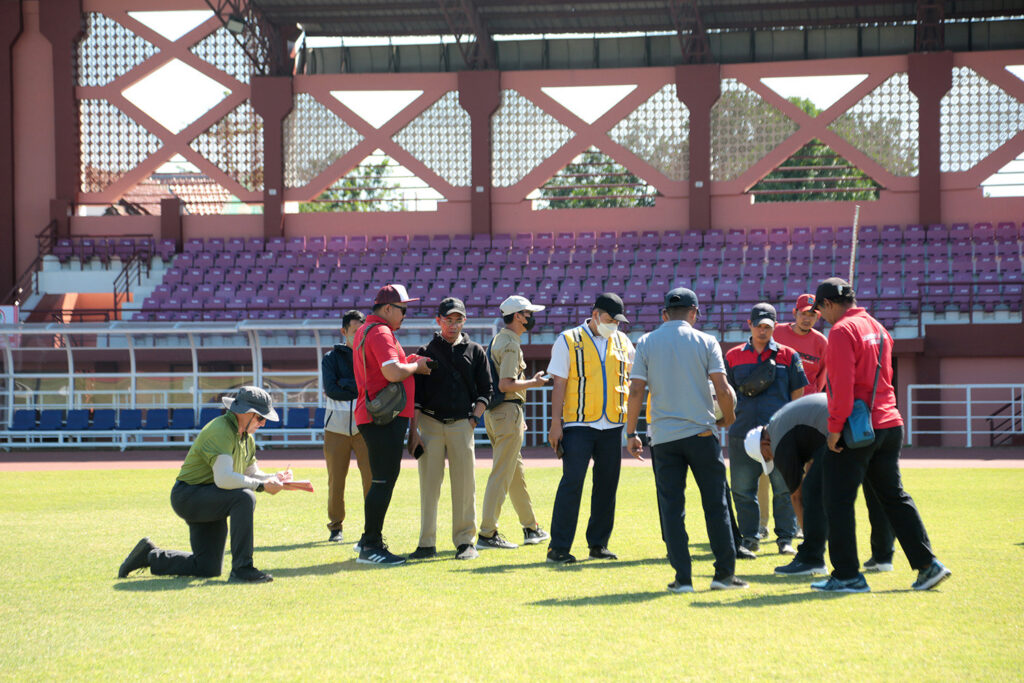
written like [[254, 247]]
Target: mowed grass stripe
[[507, 615]]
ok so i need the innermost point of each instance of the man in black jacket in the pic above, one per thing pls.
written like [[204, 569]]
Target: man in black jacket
[[341, 435], [449, 404]]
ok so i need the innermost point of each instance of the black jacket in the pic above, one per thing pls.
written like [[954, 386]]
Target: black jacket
[[338, 374], [444, 394]]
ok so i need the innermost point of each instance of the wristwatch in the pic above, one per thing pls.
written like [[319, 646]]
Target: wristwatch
[[259, 487], [630, 435], [475, 419]]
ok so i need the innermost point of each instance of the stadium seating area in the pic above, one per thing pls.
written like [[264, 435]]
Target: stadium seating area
[[900, 271], [129, 427]]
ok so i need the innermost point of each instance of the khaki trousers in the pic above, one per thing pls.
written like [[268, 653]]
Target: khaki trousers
[[764, 498], [338, 454], [454, 441], [505, 428]]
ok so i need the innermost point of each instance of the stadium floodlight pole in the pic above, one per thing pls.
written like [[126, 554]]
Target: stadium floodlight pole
[[853, 242]]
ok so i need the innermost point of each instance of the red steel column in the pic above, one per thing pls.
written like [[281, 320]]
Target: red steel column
[[699, 86], [170, 220], [10, 29], [480, 95], [60, 21], [272, 99], [931, 77]]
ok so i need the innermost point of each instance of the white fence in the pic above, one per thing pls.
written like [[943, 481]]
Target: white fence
[[965, 414]]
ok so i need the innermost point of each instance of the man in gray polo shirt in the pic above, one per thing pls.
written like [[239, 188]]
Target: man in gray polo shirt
[[795, 440], [675, 362]]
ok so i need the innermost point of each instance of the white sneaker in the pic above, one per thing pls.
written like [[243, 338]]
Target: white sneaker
[[873, 565], [466, 551], [676, 587]]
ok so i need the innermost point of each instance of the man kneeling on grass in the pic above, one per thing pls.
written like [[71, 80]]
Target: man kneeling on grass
[[217, 481]]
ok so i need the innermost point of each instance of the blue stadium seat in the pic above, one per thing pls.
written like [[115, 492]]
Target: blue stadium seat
[[319, 416], [183, 418], [78, 420], [208, 415], [102, 419], [157, 418], [297, 418], [51, 419], [130, 419], [24, 420]]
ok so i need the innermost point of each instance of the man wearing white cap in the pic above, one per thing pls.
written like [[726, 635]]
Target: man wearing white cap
[[217, 482], [505, 427]]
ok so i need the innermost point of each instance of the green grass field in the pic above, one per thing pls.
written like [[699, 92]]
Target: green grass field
[[507, 615]]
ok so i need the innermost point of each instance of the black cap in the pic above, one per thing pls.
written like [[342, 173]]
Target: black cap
[[612, 305], [832, 288], [681, 297], [451, 305], [763, 312]]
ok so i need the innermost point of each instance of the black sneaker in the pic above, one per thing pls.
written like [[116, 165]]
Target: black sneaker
[[602, 553], [250, 575], [931, 576], [676, 587], [138, 558], [336, 536], [728, 583], [423, 552], [495, 540], [798, 568], [534, 536], [560, 557], [744, 553], [380, 555]]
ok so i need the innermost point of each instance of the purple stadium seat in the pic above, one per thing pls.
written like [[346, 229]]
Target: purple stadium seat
[[166, 249], [1007, 231], [193, 245], [983, 232], [891, 235]]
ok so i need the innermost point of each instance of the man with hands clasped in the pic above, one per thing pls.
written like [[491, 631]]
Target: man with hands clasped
[[590, 370], [675, 362], [218, 481]]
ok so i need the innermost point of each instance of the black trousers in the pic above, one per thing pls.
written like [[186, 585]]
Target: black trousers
[[703, 455], [581, 444], [878, 465], [207, 508], [384, 444], [812, 550]]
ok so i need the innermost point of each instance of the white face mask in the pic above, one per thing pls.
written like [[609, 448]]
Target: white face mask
[[606, 330]]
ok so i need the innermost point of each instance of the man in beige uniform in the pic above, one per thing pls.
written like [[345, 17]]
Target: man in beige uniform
[[505, 427]]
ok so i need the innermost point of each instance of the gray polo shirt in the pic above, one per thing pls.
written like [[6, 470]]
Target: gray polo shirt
[[810, 410], [675, 361]]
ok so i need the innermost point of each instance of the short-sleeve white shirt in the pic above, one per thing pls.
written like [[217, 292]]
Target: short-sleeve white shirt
[[559, 367]]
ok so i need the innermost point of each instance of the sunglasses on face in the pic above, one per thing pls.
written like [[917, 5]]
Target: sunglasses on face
[[403, 309]]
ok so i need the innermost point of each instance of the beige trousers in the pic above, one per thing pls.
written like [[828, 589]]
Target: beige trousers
[[454, 441], [764, 498], [505, 428], [338, 454]]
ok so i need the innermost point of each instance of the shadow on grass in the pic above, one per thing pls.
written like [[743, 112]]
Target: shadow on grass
[[582, 564], [318, 569], [614, 599], [166, 583], [294, 546]]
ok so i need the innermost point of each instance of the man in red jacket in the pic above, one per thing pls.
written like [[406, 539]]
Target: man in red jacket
[[859, 361]]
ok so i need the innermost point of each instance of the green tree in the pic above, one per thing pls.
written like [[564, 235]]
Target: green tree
[[366, 188], [815, 173], [594, 181]]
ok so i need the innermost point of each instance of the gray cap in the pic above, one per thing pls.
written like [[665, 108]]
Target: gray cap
[[252, 400], [451, 305], [681, 297]]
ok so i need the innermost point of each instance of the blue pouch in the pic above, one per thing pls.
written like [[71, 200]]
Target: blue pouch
[[858, 432]]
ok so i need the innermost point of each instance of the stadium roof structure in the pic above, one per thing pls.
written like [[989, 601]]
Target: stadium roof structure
[[510, 17]]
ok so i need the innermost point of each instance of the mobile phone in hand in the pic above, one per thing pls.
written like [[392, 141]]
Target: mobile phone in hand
[[418, 451], [433, 364], [559, 449]]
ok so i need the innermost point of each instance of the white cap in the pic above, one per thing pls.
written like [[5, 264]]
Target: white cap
[[752, 444], [516, 303]]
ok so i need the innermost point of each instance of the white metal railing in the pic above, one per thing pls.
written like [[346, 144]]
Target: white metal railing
[[965, 411]]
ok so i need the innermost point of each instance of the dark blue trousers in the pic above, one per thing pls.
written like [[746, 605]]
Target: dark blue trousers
[[702, 454], [581, 445]]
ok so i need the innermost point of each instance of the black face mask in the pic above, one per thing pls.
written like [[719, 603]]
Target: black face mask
[[530, 322]]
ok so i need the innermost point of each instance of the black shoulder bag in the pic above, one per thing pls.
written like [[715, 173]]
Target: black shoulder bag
[[761, 377], [390, 401], [497, 395]]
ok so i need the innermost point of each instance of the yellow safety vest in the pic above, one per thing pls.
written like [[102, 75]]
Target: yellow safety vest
[[596, 389]]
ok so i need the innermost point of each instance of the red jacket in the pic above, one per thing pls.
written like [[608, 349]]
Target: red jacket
[[851, 358]]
